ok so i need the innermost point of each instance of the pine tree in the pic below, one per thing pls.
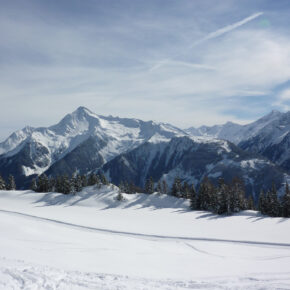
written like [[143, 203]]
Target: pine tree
[[164, 187], [120, 196], [237, 195], [149, 185], [121, 186], [45, 185], [98, 181], [206, 195], [84, 181], [92, 179], [104, 180], [272, 202], [73, 182], [11, 183], [185, 191], [33, 185], [262, 202], [66, 184], [159, 187], [176, 189], [126, 187], [59, 184], [51, 184], [193, 204], [2, 184], [250, 202], [286, 202], [78, 183], [221, 197]]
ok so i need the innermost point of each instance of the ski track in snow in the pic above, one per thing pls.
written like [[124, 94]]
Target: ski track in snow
[[147, 236]]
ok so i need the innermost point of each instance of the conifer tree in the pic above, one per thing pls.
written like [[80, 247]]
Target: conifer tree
[[176, 189], [221, 197], [120, 196], [33, 185], [45, 185], [11, 183], [66, 184], [164, 187], [262, 202], [2, 184], [272, 203], [250, 202], [186, 191], [286, 202], [206, 198], [193, 197], [104, 180], [59, 184], [51, 184], [149, 185], [84, 181], [78, 183], [121, 186], [159, 187], [92, 179]]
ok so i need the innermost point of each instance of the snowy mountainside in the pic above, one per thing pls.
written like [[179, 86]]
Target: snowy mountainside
[[273, 141], [268, 136], [234, 132], [191, 159], [34, 150]]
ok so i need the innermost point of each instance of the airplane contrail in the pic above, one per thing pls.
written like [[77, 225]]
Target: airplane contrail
[[228, 28], [211, 35]]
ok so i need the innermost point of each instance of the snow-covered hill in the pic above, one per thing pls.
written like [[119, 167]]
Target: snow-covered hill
[[81, 141], [91, 241]]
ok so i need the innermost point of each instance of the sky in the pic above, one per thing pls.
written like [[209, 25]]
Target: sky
[[184, 62]]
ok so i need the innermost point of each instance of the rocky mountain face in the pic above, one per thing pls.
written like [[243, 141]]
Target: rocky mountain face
[[192, 159], [133, 150], [81, 142], [269, 136]]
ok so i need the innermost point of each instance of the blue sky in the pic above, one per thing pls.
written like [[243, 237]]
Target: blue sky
[[184, 62]]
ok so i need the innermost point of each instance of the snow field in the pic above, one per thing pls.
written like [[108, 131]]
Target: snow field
[[92, 241]]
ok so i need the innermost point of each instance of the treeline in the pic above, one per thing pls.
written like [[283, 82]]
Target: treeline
[[65, 184], [225, 198], [7, 185]]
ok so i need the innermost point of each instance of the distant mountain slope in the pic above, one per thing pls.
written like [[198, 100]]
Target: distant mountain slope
[[192, 159], [234, 132], [268, 136], [81, 141]]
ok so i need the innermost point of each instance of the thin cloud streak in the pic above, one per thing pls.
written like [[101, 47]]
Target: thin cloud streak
[[211, 35], [228, 28]]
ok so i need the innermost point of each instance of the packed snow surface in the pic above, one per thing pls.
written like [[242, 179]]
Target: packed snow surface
[[92, 241]]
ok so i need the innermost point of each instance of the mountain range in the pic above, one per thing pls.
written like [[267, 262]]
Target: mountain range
[[133, 150]]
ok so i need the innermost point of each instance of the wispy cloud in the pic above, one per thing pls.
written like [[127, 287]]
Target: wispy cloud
[[212, 35], [227, 28]]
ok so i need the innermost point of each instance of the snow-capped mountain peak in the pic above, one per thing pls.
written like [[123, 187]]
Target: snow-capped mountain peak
[[104, 137]]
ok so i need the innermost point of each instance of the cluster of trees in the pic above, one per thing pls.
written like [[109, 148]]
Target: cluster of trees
[[225, 198], [221, 199], [270, 204], [65, 184], [9, 185]]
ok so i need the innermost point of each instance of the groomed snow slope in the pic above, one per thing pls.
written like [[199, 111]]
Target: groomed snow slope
[[92, 241]]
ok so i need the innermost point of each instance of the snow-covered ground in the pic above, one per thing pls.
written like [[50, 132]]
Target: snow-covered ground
[[91, 241]]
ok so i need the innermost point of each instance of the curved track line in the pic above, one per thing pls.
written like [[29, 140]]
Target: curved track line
[[145, 236]]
